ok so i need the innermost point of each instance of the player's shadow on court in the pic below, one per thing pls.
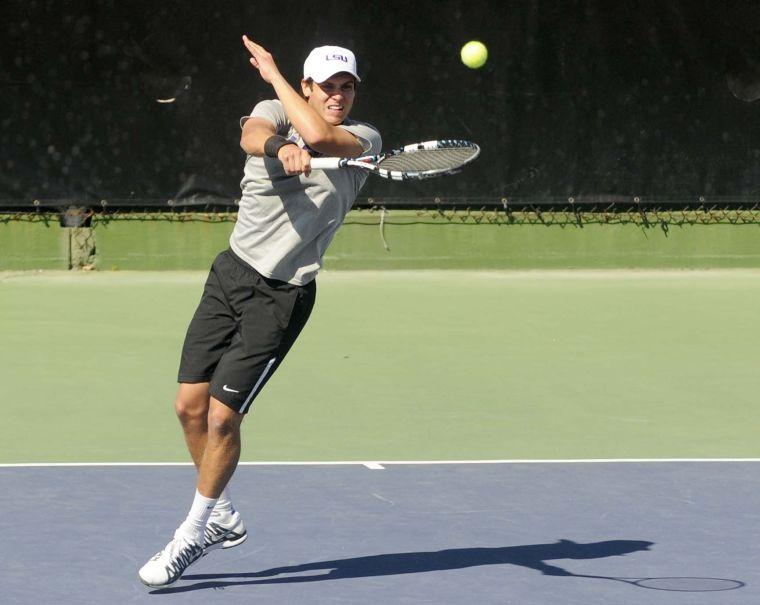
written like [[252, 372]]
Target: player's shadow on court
[[532, 556]]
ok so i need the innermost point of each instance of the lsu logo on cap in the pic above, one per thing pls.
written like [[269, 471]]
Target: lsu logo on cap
[[336, 57]]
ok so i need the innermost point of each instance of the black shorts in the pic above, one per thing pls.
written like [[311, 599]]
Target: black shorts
[[243, 328]]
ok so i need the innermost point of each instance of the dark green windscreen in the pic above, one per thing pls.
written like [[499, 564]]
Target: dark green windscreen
[[578, 98]]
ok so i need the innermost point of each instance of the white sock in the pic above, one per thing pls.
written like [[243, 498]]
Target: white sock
[[224, 502], [192, 527]]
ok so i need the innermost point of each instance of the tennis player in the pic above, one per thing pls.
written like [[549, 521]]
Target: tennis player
[[260, 292]]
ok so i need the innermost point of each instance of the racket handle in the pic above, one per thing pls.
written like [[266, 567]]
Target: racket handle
[[325, 163]]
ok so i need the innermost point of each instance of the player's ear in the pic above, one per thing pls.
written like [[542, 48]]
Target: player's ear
[[306, 87]]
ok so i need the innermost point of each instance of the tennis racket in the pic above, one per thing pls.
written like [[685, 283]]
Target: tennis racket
[[676, 584], [416, 161]]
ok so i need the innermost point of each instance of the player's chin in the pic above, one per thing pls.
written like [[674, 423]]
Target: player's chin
[[334, 117]]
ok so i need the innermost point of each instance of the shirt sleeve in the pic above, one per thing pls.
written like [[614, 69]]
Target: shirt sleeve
[[368, 136], [273, 112]]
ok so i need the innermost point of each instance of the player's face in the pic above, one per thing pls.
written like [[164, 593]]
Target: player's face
[[332, 98]]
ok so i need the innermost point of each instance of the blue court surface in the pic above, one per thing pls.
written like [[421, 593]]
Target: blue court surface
[[527, 533]]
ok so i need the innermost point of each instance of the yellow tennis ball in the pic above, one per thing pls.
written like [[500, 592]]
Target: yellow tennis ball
[[474, 54]]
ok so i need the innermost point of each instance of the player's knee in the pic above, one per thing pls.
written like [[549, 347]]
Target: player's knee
[[190, 409], [223, 421]]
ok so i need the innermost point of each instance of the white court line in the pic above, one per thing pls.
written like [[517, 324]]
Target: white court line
[[381, 464]]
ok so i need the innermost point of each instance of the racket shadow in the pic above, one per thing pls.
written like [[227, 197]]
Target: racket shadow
[[532, 556], [675, 584]]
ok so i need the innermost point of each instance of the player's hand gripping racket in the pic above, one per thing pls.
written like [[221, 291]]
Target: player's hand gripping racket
[[416, 161]]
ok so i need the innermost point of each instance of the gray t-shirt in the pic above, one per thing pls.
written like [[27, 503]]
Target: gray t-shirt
[[285, 223]]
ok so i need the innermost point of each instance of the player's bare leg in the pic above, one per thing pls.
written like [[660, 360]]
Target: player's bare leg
[[225, 528], [212, 433], [192, 407], [222, 451]]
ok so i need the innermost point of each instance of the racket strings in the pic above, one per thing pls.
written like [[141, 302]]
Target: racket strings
[[429, 159]]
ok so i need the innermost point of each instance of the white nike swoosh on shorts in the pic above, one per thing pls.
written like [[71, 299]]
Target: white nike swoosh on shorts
[[224, 388]]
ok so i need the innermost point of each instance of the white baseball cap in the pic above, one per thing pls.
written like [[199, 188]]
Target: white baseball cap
[[326, 61]]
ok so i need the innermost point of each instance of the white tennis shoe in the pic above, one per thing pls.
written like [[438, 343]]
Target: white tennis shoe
[[167, 566], [224, 529]]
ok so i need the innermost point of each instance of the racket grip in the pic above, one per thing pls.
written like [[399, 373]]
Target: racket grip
[[325, 163]]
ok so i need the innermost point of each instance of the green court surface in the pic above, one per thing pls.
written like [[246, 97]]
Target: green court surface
[[400, 365]]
